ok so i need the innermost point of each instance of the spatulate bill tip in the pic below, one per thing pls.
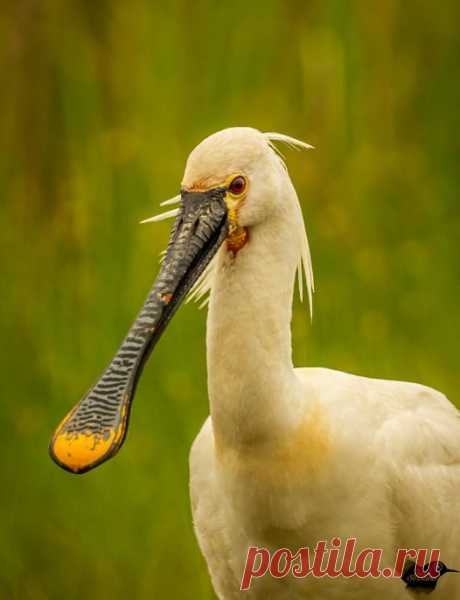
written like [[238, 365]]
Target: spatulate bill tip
[[79, 453]]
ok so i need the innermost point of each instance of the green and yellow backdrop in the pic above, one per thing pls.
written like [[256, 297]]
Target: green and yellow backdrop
[[100, 104]]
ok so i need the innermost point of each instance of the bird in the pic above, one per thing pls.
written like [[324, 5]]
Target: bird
[[427, 581], [288, 456]]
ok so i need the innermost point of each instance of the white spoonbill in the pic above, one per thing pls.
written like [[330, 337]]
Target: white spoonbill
[[288, 457]]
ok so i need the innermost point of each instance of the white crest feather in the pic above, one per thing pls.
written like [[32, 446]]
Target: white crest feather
[[304, 268], [272, 136], [174, 200], [162, 216]]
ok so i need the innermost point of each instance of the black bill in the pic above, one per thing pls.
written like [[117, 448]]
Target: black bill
[[94, 430]]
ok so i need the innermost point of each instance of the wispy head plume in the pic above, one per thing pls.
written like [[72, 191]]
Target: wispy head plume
[[304, 268]]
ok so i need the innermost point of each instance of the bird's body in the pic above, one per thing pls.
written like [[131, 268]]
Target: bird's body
[[290, 456], [359, 467]]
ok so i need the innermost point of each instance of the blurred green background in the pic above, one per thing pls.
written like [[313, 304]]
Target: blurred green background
[[101, 103]]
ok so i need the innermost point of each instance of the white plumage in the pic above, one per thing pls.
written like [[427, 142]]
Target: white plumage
[[292, 456]]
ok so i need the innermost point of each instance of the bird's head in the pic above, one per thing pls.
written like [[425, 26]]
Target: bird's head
[[233, 182], [241, 170], [244, 163], [240, 161]]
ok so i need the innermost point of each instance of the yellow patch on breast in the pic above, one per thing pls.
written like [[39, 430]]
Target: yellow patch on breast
[[310, 446], [306, 452]]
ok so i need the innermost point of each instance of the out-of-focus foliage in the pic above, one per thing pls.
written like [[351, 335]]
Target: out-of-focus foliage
[[100, 104]]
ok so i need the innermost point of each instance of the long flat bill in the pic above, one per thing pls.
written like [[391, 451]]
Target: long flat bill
[[94, 430]]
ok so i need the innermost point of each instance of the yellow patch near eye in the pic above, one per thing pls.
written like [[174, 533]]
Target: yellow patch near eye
[[237, 235], [237, 238]]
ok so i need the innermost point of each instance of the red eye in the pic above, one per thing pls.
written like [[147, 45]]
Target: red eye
[[237, 185]]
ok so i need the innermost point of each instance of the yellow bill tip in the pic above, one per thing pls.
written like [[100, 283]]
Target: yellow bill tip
[[79, 452]]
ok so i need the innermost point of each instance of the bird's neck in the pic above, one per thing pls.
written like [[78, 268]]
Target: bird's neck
[[252, 387]]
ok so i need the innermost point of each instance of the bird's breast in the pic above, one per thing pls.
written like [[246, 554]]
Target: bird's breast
[[272, 483]]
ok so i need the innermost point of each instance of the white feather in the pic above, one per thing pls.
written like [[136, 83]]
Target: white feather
[[174, 200], [272, 136], [162, 256], [304, 268], [202, 285], [162, 216]]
